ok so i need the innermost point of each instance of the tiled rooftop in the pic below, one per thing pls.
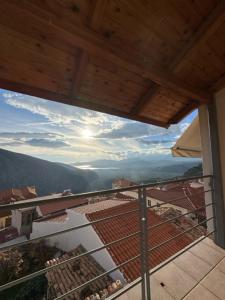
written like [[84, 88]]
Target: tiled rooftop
[[102, 205], [193, 197], [61, 205], [8, 234], [73, 274], [16, 194], [119, 227]]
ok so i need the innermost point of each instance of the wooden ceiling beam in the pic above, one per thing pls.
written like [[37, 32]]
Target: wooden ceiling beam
[[205, 30], [145, 99], [42, 93], [98, 13], [94, 44], [183, 112], [80, 69], [214, 20], [82, 60]]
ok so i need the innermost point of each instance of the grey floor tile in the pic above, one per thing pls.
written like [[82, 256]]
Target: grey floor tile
[[215, 282], [200, 292], [176, 281], [193, 265], [207, 253]]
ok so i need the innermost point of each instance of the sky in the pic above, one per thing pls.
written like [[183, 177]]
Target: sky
[[59, 132]]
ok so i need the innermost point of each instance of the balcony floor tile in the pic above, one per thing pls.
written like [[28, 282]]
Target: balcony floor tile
[[192, 265], [176, 281], [200, 292], [214, 282], [207, 253]]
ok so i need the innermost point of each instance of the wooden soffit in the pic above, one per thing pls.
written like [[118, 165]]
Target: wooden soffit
[[151, 61]]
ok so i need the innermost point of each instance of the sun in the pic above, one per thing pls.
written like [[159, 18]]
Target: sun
[[87, 133]]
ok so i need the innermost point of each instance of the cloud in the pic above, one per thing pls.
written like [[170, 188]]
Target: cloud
[[126, 130], [56, 113], [61, 127], [35, 139], [47, 143], [26, 135], [137, 130], [156, 142]]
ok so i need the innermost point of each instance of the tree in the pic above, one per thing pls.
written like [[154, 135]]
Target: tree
[[11, 263]]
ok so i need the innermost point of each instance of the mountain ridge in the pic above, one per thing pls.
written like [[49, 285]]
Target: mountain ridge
[[19, 170]]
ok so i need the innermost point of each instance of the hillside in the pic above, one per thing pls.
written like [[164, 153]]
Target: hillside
[[144, 169], [195, 171], [19, 170]]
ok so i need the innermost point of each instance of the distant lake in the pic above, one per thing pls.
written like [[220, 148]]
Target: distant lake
[[89, 167]]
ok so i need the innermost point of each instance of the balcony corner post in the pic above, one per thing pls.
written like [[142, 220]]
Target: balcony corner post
[[217, 193], [146, 294]]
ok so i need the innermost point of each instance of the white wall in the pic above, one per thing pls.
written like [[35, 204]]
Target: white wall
[[87, 237], [17, 219]]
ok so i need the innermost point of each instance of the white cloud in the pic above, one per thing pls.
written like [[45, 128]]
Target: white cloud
[[62, 127]]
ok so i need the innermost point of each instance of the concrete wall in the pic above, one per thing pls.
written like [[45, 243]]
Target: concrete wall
[[206, 159], [207, 152], [17, 219], [70, 240], [220, 106]]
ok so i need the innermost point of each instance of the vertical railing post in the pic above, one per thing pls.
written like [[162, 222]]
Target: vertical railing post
[[146, 295]]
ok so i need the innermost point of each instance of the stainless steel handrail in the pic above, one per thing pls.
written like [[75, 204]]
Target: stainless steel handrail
[[31, 202], [39, 201]]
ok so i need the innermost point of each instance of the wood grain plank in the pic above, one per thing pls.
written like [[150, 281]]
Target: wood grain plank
[[145, 99], [46, 94], [95, 45], [214, 20], [80, 69], [98, 14]]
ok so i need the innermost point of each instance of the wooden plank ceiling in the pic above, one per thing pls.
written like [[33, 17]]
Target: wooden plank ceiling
[[149, 60]]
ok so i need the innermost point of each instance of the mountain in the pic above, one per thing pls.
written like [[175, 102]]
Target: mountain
[[19, 170], [195, 171], [140, 169]]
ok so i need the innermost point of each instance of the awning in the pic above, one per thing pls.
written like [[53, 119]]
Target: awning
[[189, 144]]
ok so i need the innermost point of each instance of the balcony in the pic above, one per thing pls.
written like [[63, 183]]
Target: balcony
[[180, 263], [148, 61]]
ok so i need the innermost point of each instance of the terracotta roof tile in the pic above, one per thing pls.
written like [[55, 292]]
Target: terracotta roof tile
[[50, 208], [192, 197], [73, 274], [8, 234], [119, 227], [16, 194], [90, 208]]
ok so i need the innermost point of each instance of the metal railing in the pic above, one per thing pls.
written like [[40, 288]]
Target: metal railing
[[143, 234]]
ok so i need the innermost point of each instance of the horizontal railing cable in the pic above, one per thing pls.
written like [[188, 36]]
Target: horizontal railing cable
[[179, 234], [52, 199], [178, 217], [46, 200], [43, 271], [163, 264], [4, 248]]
